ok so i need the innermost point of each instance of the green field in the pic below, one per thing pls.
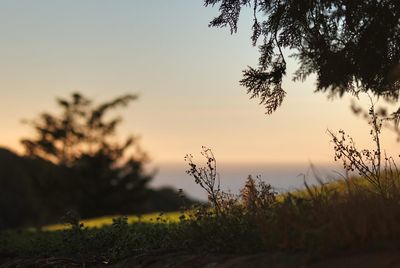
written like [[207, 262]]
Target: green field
[[169, 217]]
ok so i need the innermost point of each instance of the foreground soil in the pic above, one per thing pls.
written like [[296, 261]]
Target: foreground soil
[[187, 260], [275, 260]]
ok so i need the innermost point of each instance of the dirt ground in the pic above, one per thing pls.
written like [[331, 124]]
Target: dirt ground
[[268, 260], [166, 259]]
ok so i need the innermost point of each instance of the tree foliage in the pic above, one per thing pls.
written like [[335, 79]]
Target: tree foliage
[[83, 139], [81, 129], [351, 45]]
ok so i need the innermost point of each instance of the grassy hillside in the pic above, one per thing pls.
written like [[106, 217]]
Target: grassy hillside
[[168, 217], [336, 218]]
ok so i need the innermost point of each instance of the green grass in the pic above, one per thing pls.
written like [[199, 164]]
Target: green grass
[[109, 243], [169, 217]]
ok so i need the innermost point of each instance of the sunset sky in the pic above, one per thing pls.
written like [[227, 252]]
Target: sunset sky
[[186, 76]]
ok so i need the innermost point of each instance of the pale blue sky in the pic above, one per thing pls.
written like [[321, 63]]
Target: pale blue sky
[[185, 73]]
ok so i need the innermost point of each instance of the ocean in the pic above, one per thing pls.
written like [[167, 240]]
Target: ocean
[[282, 177]]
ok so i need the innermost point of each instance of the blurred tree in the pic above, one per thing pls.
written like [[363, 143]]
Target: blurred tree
[[351, 45], [81, 129], [83, 139], [32, 191]]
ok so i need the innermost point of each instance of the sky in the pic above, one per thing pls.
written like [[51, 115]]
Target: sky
[[185, 73]]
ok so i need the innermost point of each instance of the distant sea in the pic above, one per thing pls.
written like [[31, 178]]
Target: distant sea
[[282, 177]]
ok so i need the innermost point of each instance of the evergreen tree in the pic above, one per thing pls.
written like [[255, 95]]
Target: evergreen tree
[[82, 139], [351, 45]]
